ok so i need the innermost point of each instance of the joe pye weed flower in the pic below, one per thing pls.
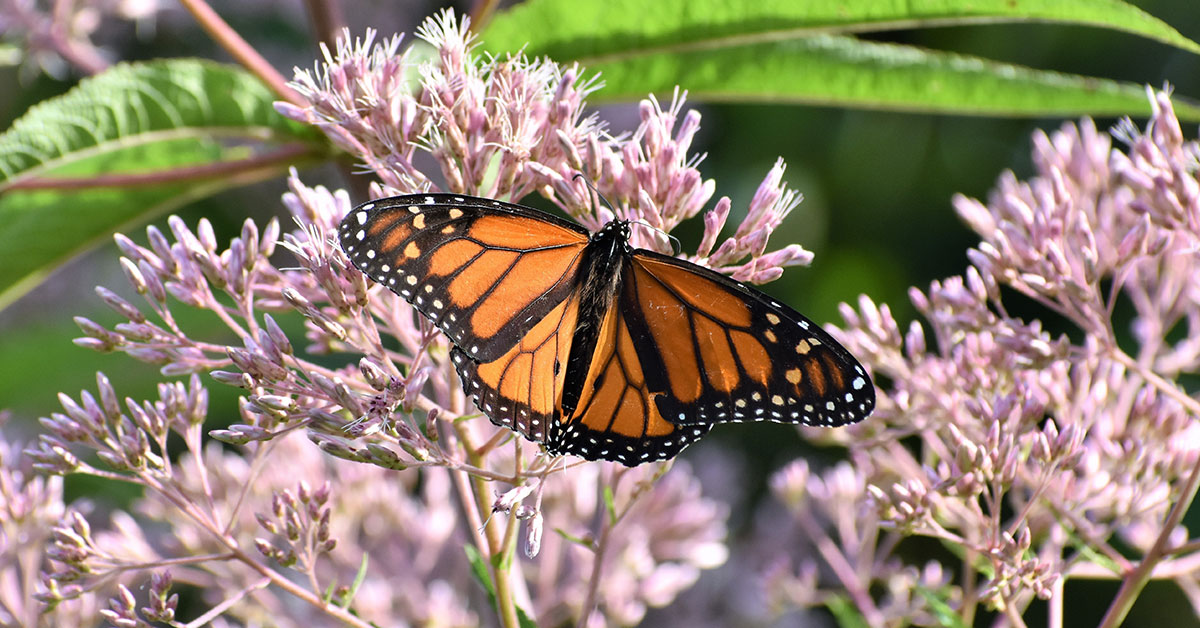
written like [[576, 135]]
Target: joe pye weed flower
[[355, 489], [1036, 457], [347, 494]]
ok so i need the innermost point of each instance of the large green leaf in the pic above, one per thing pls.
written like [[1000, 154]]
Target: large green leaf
[[125, 145], [848, 72], [570, 29], [782, 51]]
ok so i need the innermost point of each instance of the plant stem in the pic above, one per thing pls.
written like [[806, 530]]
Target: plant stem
[[498, 551], [250, 168], [240, 49], [83, 56], [482, 12], [1137, 579], [327, 20], [499, 559], [1159, 382], [842, 569], [589, 603], [1055, 604], [216, 611], [1014, 617]]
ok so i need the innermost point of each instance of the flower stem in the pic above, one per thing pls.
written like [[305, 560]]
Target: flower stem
[[842, 568], [249, 169], [81, 55], [482, 13], [216, 611], [589, 603], [1136, 580], [499, 551], [240, 49], [327, 20], [1163, 385]]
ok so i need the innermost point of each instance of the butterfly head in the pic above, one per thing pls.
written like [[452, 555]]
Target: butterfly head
[[614, 236]]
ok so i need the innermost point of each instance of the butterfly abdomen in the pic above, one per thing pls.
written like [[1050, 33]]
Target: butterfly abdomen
[[598, 282]]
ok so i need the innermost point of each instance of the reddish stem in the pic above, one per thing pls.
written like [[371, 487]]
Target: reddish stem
[[240, 49]]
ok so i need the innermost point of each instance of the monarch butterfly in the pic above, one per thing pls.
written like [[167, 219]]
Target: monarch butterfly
[[591, 347]]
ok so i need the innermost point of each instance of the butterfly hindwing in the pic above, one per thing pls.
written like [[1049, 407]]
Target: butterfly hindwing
[[723, 352], [485, 272], [616, 416], [522, 389]]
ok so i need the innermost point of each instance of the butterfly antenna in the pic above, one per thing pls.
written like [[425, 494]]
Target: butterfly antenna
[[588, 182], [676, 245]]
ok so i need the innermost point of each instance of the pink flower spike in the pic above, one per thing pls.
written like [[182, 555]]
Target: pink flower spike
[[790, 255], [764, 208], [714, 221]]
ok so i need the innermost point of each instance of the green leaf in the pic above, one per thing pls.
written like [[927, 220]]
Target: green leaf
[[479, 568], [610, 506], [585, 31], [848, 72], [789, 52], [578, 540], [945, 614], [359, 578], [524, 620], [845, 613], [125, 145], [1086, 550]]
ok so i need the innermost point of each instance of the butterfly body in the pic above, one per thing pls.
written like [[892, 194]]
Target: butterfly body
[[590, 346], [597, 284]]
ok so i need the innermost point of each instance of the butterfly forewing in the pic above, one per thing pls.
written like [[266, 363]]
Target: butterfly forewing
[[483, 271], [721, 351]]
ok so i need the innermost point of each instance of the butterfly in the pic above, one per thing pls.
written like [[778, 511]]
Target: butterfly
[[591, 347]]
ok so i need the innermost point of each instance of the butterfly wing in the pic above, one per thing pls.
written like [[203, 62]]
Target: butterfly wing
[[678, 349], [522, 389], [616, 416], [484, 271], [720, 351]]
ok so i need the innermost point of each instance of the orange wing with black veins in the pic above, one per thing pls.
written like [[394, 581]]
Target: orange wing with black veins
[[484, 272]]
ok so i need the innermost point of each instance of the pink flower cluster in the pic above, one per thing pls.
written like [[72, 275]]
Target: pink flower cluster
[[1037, 457], [506, 128], [355, 472]]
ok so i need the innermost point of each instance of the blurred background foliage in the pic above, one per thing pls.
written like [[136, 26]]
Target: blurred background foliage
[[877, 187]]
